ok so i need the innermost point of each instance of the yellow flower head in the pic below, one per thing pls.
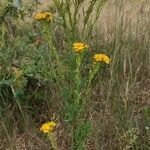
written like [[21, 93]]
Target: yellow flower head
[[48, 127], [101, 57], [44, 16], [79, 47]]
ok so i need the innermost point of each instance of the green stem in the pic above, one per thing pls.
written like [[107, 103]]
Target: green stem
[[92, 72], [54, 53], [78, 77], [52, 141]]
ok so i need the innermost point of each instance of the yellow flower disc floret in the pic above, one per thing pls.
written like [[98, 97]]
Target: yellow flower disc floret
[[101, 57], [79, 47], [44, 16], [48, 127]]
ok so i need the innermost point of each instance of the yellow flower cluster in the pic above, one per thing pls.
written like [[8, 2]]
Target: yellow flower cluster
[[44, 16], [48, 127], [79, 47], [101, 57]]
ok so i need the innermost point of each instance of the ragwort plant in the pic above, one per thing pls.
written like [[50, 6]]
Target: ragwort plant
[[72, 85], [48, 128]]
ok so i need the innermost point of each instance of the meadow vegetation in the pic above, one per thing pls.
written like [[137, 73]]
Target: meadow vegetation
[[75, 75]]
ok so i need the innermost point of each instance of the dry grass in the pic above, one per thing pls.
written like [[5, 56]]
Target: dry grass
[[120, 100]]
